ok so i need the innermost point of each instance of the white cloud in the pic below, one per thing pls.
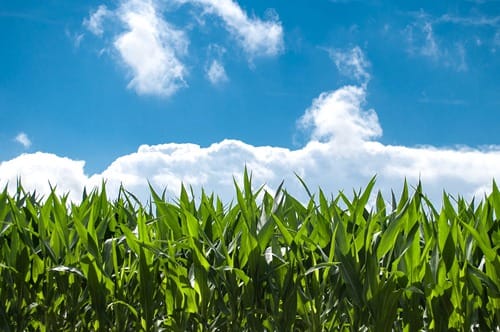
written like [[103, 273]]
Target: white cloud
[[257, 37], [338, 117], [429, 47], [422, 41], [480, 20], [216, 73], [346, 157], [39, 171], [23, 139], [76, 38], [150, 48], [95, 21], [443, 101], [461, 63], [351, 63]]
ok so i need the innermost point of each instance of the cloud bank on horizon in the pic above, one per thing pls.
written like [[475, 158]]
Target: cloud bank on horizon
[[342, 151]]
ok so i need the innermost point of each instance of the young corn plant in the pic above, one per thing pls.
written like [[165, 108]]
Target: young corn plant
[[260, 263]]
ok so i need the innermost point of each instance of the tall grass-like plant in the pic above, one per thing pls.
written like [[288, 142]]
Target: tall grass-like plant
[[258, 264]]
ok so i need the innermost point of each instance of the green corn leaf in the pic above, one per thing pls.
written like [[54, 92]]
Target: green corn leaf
[[167, 214], [284, 231], [492, 285], [126, 305], [131, 239], [494, 199], [258, 263], [97, 294], [146, 287], [389, 236], [364, 197], [311, 196], [483, 242]]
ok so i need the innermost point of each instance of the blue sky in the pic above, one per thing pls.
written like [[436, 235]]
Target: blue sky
[[92, 81]]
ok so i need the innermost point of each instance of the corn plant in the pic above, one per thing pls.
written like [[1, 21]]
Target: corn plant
[[260, 263]]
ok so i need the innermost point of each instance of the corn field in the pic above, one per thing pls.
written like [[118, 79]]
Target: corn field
[[262, 263]]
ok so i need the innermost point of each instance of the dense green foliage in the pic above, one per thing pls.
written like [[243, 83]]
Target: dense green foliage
[[262, 263]]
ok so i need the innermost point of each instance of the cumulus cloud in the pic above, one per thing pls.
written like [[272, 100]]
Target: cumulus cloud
[[39, 171], [23, 139], [338, 117], [342, 153], [216, 73], [151, 48], [346, 157], [257, 37]]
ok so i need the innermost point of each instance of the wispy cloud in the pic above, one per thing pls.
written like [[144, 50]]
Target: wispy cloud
[[351, 63], [23, 139], [441, 101], [478, 20], [461, 62], [214, 68], [429, 47], [422, 41], [216, 73], [75, 37], [94, 23]]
